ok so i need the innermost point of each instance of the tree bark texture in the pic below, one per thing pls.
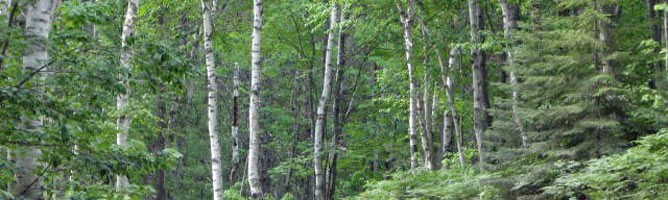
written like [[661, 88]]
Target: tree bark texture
[[122, 101], [406, 21], [480, 99], [322, 104], [212, 97], [255, 103]]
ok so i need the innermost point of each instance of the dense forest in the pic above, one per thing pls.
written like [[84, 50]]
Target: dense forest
[[333, 99]]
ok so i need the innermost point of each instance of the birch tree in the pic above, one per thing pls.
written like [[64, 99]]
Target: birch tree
[[253, 110], [28, 184], [122, 101], [235, 122], [406, 20], [337, 104], [212, 87], [509, 25], [450, 115], [322, 104], [480, 100], [450, 93], [426, 115]]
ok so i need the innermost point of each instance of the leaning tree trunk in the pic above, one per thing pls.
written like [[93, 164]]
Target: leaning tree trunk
[[406, 19], [212, 87], [253, 110], [28, 183], [123, 122], [480, 101], [235, 124], [509, 25], [322, 104]]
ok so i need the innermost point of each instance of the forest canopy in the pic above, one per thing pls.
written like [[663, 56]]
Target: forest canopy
[[333, 99]]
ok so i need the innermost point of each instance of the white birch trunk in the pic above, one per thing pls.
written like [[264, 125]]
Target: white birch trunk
[[123, 122], [450, 82], [212, 87], [253, 110], [509, 25], [28, 184], [235, 123], [427, 104], [406, 20], [322, 105]]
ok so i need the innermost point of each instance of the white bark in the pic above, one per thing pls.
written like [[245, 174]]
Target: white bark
[[235, 124], [322, 104], [123, 122], [406, 19], [4, 7], [427, 109], [510, 24], [212, 87], [450, 85], [253, 111], [28, 184]]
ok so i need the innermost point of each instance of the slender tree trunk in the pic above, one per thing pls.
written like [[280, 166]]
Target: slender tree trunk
[[450, 82], [322, 104], [159, 144], [337, 104], [235, 124], [123, 122], [656, 36], [446, 132], [212, 87], [28, 183], [665, 40], [480, 100], [426, 115], [406, 20], [509, 25], [254, 108], [294, 96], [451, 119], [4, 4], [604, 37]]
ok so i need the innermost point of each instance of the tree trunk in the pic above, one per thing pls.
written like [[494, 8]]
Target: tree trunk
[[28, 183], [4, 7], [337, 104], [235, 124], [406, 20], [665, 40], [322, 104], [509, 25], [295, 109], [254, 108], [480, 100], [159, 144], [123, 122], [656, 36], [212, 87], [426, 115], [450, 82]]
